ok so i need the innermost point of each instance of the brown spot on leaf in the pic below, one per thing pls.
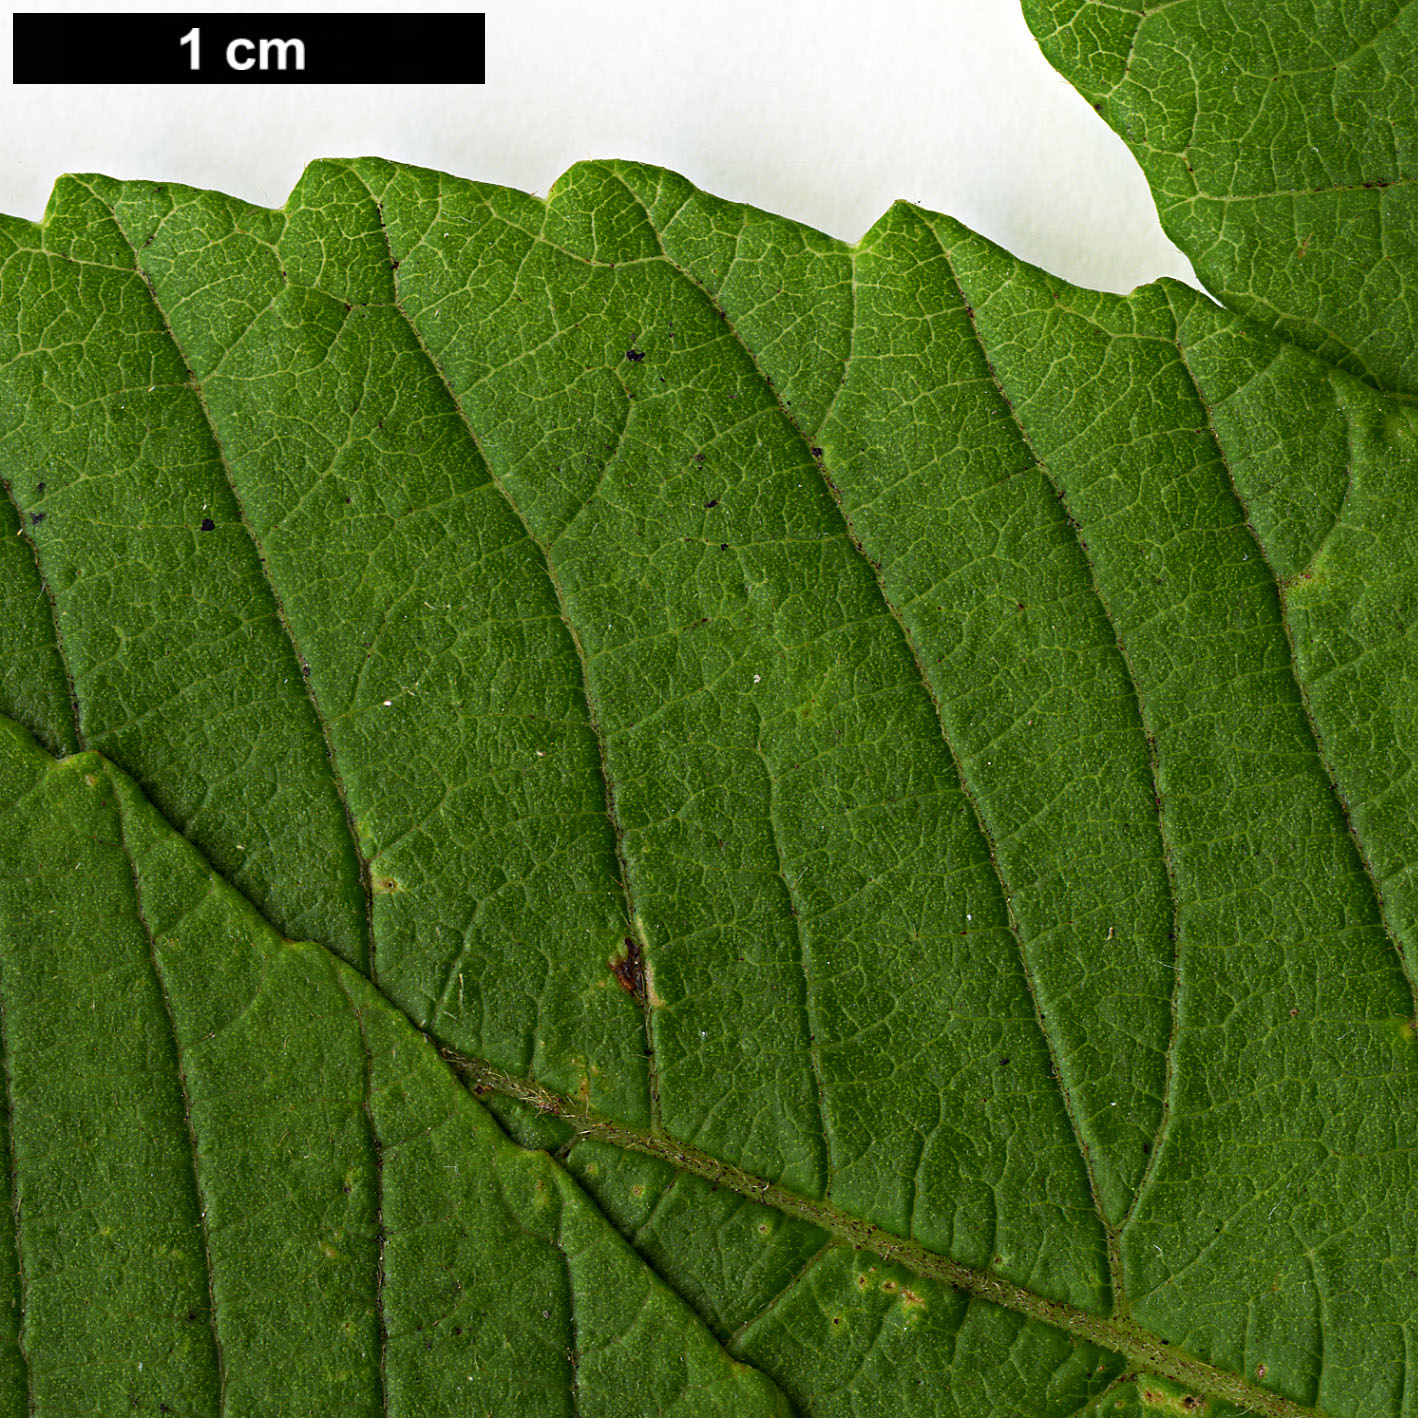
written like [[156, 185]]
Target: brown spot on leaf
[[629, 969]]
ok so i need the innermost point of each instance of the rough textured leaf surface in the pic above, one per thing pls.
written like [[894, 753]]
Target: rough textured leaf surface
[[1282, 148], [890, 774], [243, 1183]]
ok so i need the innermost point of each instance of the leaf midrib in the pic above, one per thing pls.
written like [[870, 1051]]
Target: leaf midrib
[[1119, 1335], [1109, 1234], [1143, 1349]]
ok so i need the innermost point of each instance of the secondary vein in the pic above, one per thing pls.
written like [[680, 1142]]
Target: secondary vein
[[1113, 1232], [7, 1132], [198, 1193], [981, 825], [375, 1148], [632, 916], [302, 669], [59, 650], [1301, 691]]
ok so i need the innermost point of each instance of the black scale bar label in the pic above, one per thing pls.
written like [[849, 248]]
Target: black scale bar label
[[366, 48]]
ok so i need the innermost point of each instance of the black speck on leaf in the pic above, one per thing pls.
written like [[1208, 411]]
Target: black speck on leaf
[[817, 452], [713, 502], [634, 355], [37, 517], [208, 525]]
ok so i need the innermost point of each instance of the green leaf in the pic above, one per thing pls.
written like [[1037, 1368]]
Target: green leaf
[[1282, 149], [242, 1181], [888, 773]]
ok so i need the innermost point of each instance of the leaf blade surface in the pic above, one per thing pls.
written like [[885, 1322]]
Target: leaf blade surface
[[301, 1207], [838, 722]]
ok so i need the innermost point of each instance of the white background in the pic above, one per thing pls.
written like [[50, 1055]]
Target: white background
[[823, 111]]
